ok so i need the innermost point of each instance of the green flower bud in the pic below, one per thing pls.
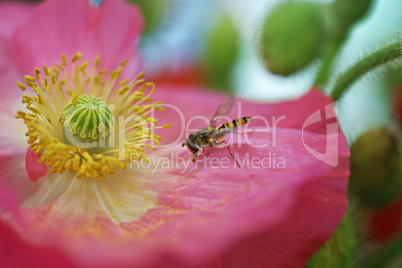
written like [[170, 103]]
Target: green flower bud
[[153, 11], [221, 51], [293, 34], [345, 13], [87, 119], [376, 168]]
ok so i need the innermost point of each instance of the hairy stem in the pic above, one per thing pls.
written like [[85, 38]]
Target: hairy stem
[[363, 66]]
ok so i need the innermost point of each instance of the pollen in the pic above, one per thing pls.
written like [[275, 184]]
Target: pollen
[[88, 120]]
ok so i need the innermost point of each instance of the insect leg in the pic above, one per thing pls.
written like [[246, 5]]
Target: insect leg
[[231, 153], [210, 150], [195, 157]]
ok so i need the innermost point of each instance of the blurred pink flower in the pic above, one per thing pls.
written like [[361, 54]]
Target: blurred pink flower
[[187, 73], [195, 216], [385, 223]]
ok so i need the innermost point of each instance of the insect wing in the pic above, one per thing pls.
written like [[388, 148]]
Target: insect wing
[[223, 110]]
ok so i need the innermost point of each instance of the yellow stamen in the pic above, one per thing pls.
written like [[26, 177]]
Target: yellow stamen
[[21, 86], [63, 59], [48, 135]]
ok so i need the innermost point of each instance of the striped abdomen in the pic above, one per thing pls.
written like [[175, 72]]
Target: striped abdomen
[[235, 123]]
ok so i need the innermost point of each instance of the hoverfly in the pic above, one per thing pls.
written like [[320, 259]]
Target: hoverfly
[[211, 136]]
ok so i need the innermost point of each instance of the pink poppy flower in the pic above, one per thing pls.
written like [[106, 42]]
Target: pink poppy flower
[[168, 214]]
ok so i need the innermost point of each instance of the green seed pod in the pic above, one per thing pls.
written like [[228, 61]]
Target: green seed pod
[[293, 34], [87, 119], [376, 165]]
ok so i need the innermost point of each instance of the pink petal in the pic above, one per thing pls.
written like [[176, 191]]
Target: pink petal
[[194, 102], [16, 252], [293, 241], [8, 208], [13, 246], [297, 208], [58, 26], [14, 176], [208, 216], [10, 94], [11, 140], [26, 193], [34, 169], [12, 15]]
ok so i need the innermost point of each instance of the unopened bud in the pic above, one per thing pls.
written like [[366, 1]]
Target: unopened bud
[[376, 168], [221, 51], [293, 34]]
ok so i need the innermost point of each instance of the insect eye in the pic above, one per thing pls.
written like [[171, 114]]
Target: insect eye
[[191, 143], [191, 138]]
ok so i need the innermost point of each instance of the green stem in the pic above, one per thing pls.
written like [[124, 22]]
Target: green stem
[[365, 65], [323, 73]]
